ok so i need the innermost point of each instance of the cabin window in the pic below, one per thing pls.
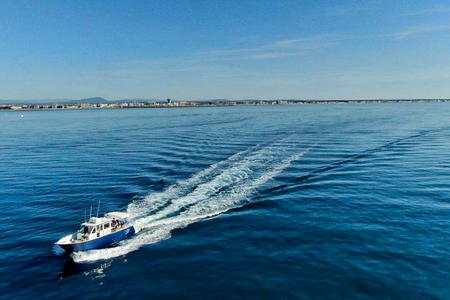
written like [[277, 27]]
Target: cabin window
[[93, 231], [85, 229], [106, 226]]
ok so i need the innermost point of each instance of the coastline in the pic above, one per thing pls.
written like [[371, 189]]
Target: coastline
[[174, 104]]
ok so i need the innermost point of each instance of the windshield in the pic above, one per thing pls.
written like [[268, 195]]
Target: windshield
[[84, 229]]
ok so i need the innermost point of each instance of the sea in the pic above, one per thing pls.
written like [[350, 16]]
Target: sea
[[345, 201]]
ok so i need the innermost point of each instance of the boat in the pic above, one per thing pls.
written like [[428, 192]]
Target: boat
[[98, 232]]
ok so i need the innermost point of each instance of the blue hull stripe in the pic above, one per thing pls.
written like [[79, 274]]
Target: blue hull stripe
[[101, 242]]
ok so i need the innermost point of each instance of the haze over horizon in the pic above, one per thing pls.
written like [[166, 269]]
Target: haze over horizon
[[234, 50]]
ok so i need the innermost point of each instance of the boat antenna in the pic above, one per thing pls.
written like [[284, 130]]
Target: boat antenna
[[85, 214], [90, 212], [98, 207]]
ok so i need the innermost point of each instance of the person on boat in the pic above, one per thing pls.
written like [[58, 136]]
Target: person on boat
[[114, 224]]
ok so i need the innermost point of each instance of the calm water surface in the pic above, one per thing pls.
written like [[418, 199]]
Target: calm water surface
[[317, 201]]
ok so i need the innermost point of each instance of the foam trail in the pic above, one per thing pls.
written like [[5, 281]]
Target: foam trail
[[228, 189], [154, 201], [239, 195], [236, 172]]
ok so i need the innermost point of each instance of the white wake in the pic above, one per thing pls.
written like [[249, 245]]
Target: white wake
[[222, 186]]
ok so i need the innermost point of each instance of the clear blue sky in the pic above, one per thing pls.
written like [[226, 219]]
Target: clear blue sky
[[224, 49]]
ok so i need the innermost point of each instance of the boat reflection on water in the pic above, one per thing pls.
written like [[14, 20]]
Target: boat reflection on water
[[95, 270], [70, 268]]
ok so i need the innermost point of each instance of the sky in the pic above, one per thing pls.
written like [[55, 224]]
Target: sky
[[303, 49]]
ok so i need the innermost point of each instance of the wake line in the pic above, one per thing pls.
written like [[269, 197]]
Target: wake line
[[154, 201], [321, 171], [238, 171], [221, 187]]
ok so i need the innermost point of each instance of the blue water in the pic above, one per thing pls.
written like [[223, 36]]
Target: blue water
[[314, 201]]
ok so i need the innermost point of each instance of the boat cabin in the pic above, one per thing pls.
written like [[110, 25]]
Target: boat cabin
[[97, 227]]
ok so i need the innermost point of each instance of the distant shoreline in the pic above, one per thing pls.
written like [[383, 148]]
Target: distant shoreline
[[221, 103]]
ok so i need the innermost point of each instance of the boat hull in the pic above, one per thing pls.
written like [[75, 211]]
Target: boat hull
[[101, 242]]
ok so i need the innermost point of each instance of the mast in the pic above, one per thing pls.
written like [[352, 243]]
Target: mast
[[98, 207]]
